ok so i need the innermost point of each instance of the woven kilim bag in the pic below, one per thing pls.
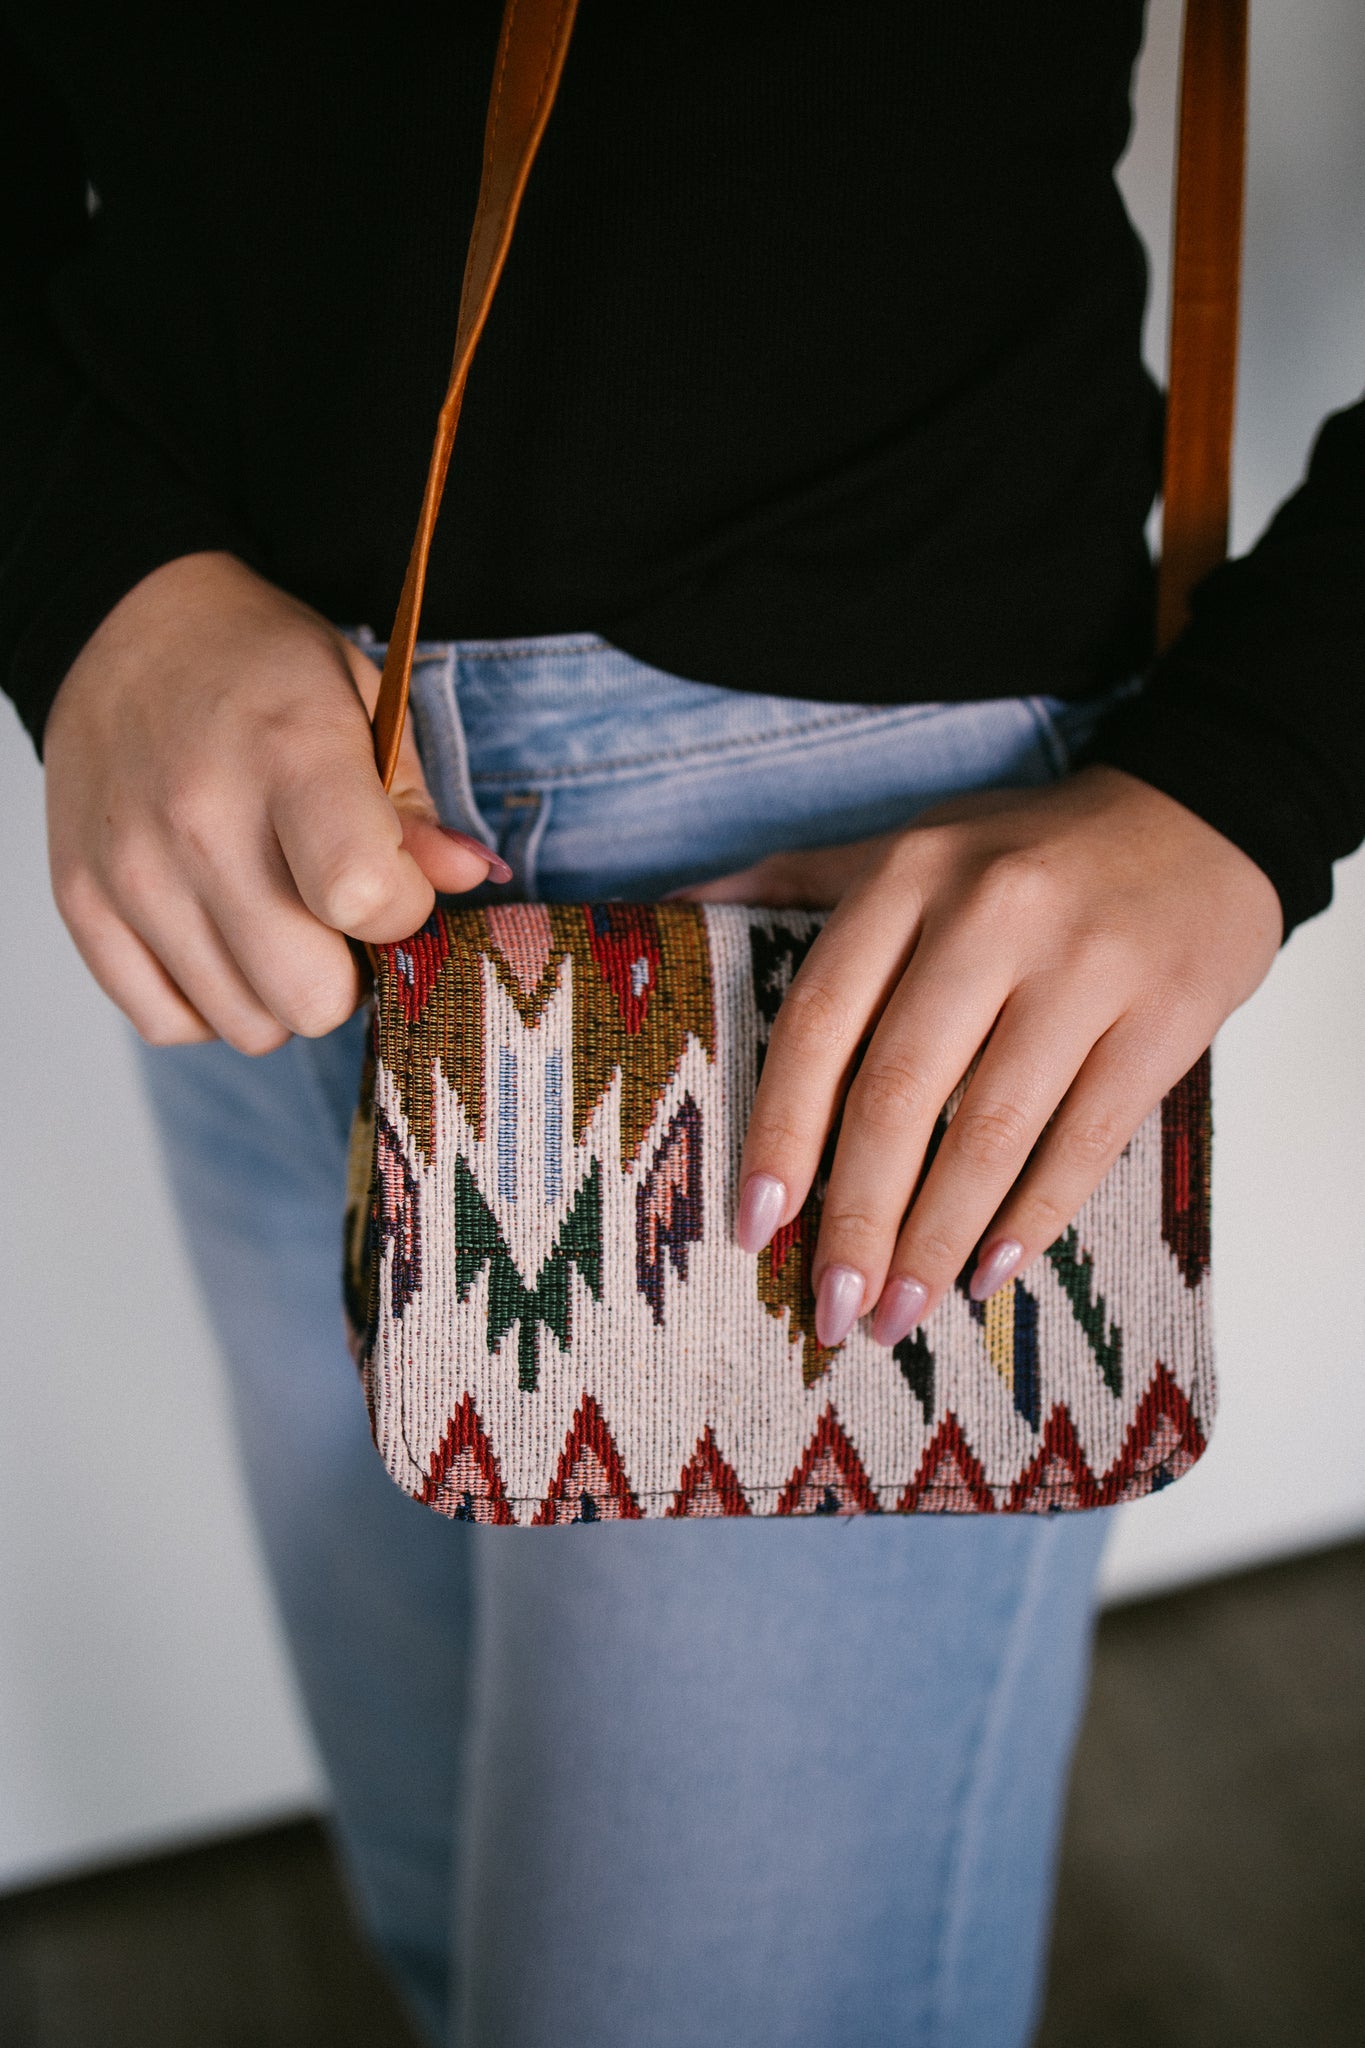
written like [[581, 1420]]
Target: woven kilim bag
[[556, 1323], [551, 1315]]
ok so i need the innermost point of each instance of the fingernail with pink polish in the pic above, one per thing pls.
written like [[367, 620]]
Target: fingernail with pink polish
[[838, 1304], [902, 1305], [994, 1268], [761, 1202], [498, 870]]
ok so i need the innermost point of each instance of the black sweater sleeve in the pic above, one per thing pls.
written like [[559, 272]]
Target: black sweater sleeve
[[130, 435], [88, 506], [1255, 718]]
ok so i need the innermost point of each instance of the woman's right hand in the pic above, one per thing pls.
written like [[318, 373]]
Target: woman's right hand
[[216, 823]]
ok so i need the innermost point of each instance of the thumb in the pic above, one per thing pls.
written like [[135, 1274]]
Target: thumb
[[451, 861]]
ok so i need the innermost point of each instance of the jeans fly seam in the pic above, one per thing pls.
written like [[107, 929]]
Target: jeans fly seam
[[531, 854]]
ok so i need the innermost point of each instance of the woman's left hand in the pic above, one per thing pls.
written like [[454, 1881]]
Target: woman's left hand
[[1087, 939]]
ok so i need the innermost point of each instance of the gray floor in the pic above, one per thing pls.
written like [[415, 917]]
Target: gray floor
[[1212, 1894], [243, 1944], [1213, 1877]]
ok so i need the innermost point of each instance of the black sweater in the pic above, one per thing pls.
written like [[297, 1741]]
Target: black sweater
[[815, 368]]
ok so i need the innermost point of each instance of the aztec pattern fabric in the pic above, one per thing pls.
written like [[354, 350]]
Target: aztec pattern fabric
[[553, 1322]]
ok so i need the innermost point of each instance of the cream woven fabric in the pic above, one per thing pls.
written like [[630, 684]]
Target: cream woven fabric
[[554, 1323]]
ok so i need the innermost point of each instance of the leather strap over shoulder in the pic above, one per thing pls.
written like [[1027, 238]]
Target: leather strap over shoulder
[[1205, 279], [1205, 272], [530, 60]]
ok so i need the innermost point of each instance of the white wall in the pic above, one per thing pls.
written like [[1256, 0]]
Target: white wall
[[1287, 1464], [143, 1694]]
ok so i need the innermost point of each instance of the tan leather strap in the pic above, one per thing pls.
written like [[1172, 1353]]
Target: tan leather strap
[[1205, 275], [531, 51], [1205, 269]]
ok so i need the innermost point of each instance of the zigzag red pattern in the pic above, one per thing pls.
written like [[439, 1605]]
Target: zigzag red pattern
[[1153, 1456], [1058, 1475], [663, 1012], [950, 1479], [709, 1486], [830, 1479], [464, 1481], [590, 1484]]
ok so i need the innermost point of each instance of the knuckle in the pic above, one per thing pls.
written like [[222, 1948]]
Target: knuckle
[[933, 1255], [357, 894], [257, 1041], [901, 855], [127, 865], [1186, 991], [775, 1136], [992, 1135], [1014, 887], [1091, 1141], [854, 1233], [194, 822], [888, 1092], [135, 874], [812, 1021], [1104, 957], [292, 735], [76, 895], [314, 1011], [1044, 1218], [165, 1030]]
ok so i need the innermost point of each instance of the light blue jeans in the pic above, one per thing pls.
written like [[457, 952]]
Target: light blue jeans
[[660, 1785]]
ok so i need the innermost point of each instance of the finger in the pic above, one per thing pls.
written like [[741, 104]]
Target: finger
[[1038, 1046], [203, 966], [1119, 1085], [840, 987], [133, 978], [341, 839], [303, 973], [943, 1010], [234, 936], [343, 836], [452, 861]]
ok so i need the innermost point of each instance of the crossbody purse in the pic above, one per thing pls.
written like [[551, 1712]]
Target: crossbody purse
[[605, 1351]]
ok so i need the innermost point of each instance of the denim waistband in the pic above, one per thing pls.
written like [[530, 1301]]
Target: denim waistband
[[509, 729]]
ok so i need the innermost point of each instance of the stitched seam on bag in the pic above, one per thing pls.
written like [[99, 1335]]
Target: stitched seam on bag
[[999, 1493]]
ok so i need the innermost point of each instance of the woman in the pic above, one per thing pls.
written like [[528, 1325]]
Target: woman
[[815, 382]]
